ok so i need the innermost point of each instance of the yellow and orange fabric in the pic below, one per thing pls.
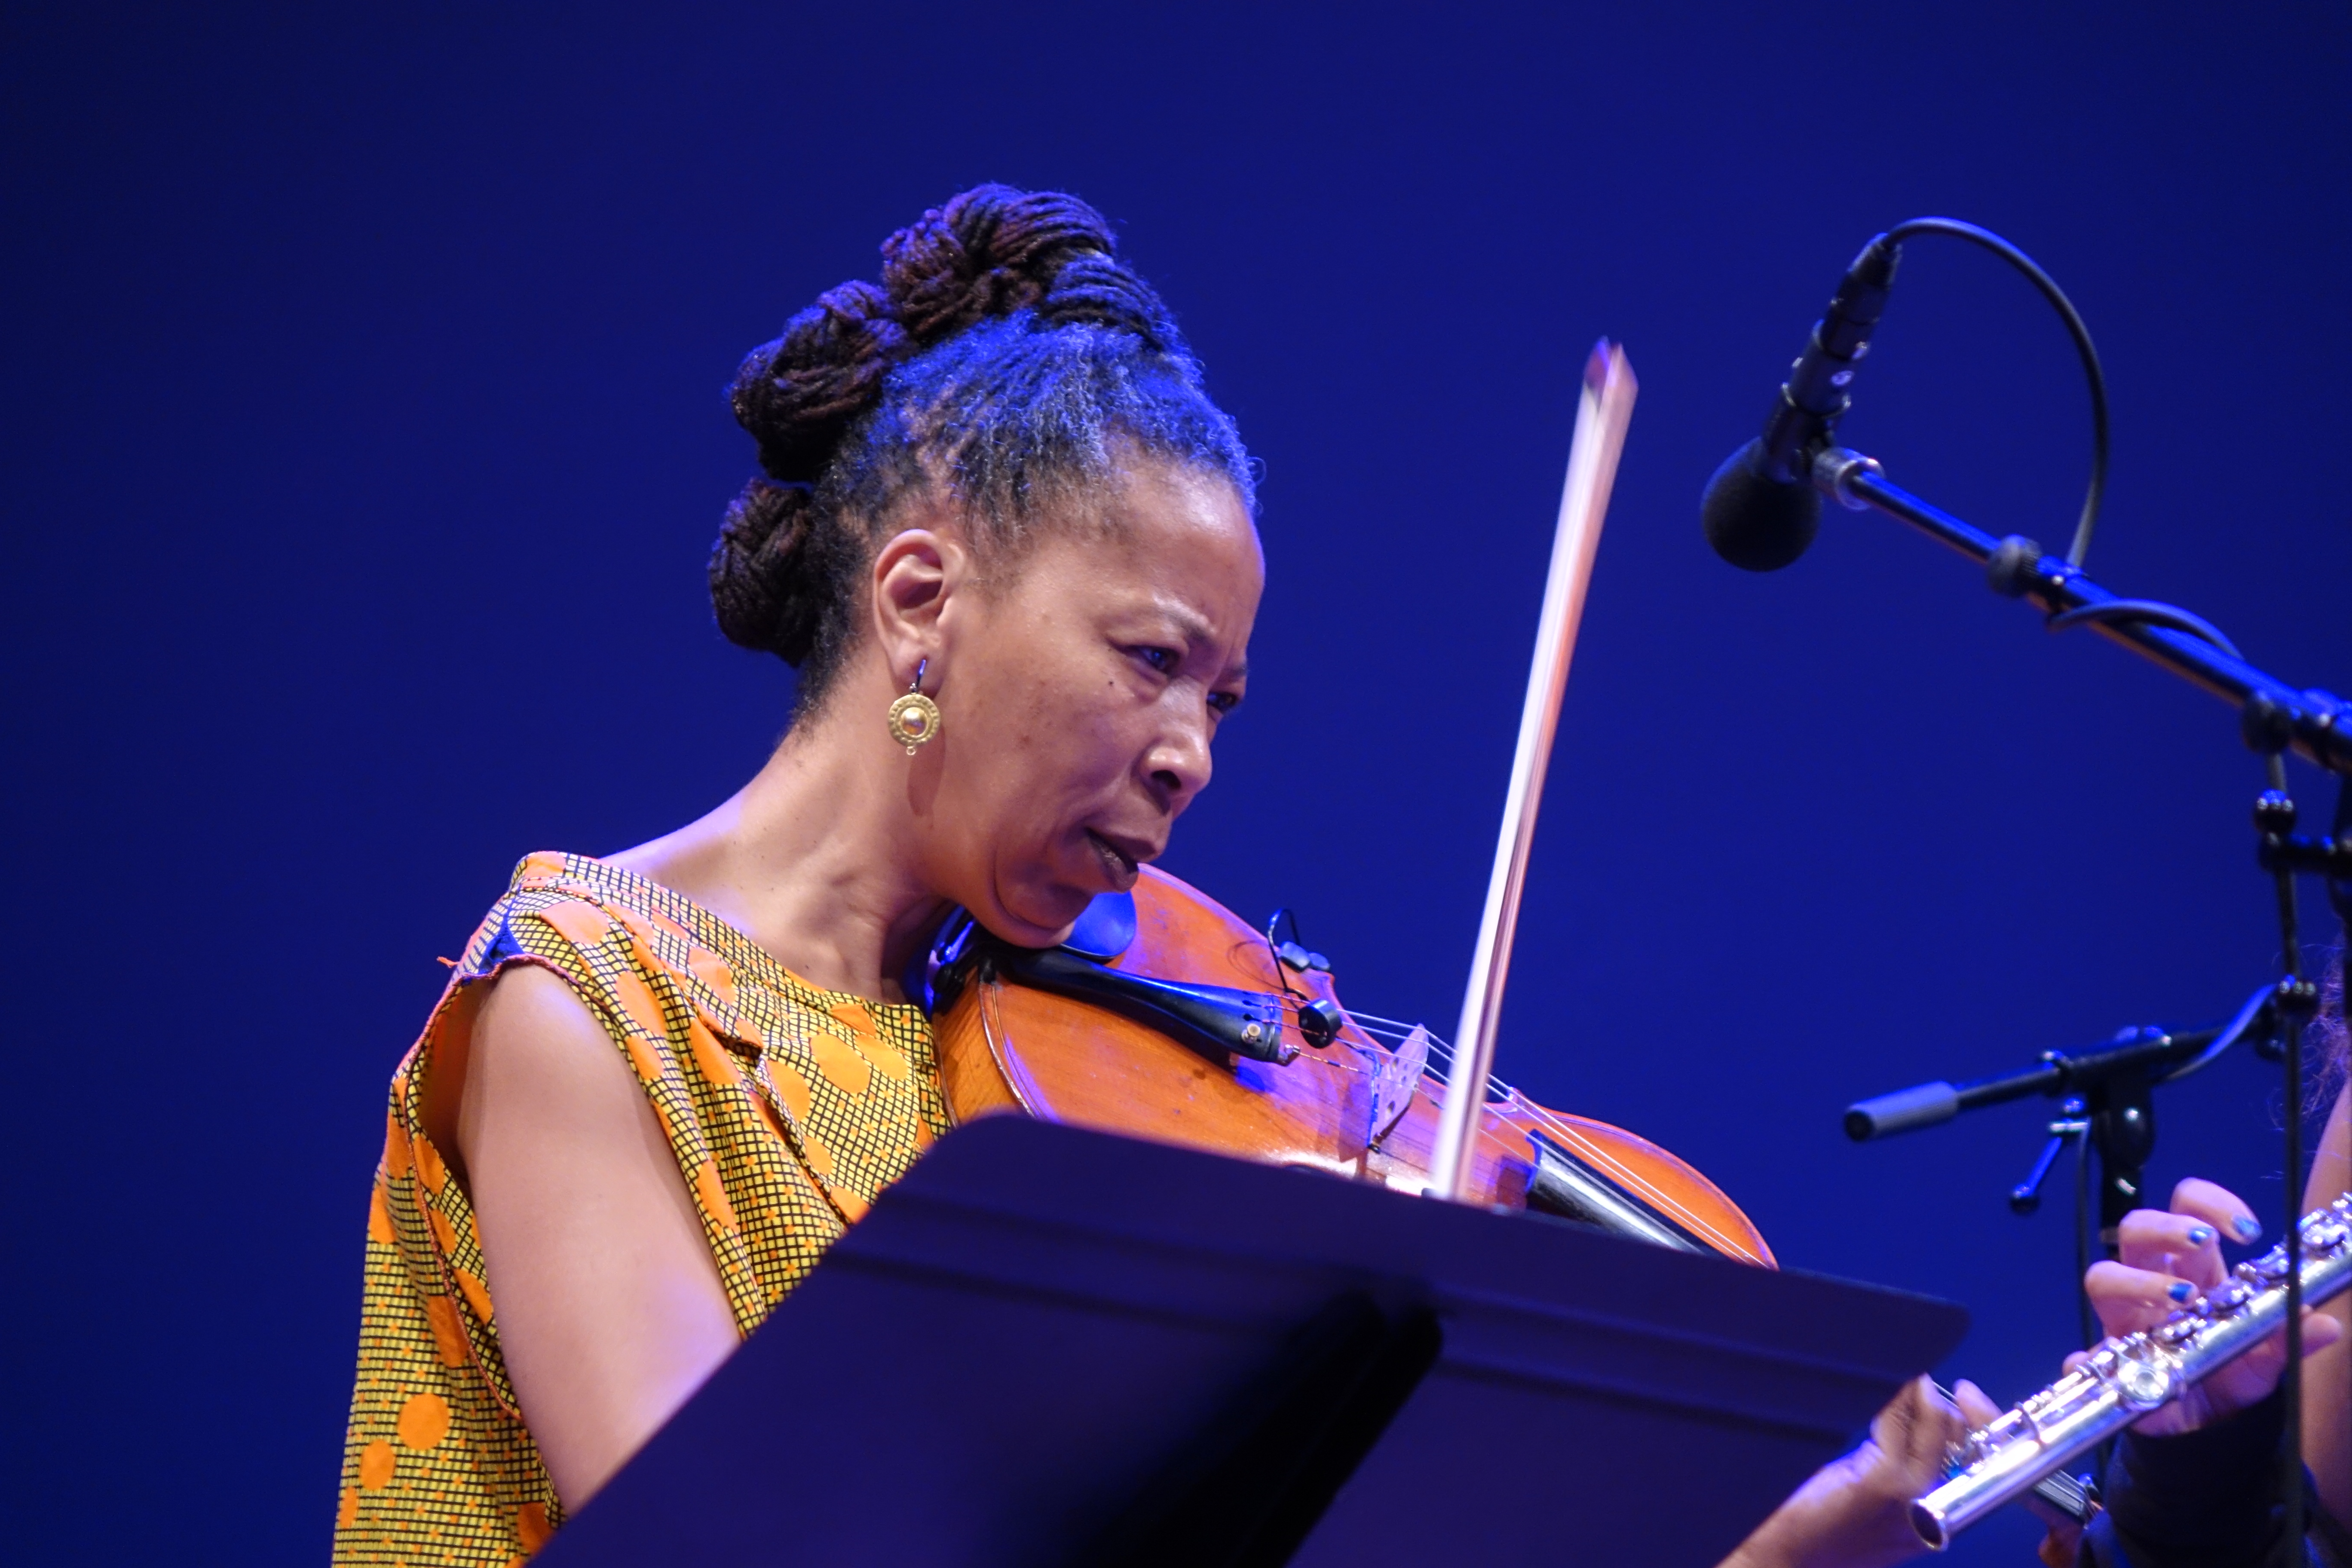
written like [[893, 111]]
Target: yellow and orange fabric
[[788, 1108]]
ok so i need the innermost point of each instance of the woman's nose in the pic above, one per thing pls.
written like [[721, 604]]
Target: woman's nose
[[1179, 762]]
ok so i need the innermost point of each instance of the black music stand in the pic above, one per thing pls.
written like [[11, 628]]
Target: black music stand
[[1050, 1346]]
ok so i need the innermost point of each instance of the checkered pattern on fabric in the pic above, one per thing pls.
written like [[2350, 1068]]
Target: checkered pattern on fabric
[[788, 1108]]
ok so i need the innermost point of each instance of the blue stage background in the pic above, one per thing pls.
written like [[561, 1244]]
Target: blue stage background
[[365, 434]]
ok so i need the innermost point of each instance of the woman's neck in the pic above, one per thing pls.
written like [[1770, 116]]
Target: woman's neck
[[809, 860]]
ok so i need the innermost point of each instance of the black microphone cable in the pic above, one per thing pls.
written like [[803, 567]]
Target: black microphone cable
[[2096, 377], [1761, 510]]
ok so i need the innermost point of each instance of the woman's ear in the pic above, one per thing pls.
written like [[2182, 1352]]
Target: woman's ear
[[916, 573]]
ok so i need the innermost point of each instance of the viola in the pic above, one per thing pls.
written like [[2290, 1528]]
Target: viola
[[1167, 1016]]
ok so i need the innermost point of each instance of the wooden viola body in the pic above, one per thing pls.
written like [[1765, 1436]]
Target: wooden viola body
[[1353, 1106]]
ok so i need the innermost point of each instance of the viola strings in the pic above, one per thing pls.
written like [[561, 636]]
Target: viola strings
[[1436, 1070]]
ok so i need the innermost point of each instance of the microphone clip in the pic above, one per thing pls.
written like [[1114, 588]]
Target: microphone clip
[[1834, 469], [1816, 394]]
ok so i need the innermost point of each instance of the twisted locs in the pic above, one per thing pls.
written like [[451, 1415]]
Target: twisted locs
[[1007, 355]]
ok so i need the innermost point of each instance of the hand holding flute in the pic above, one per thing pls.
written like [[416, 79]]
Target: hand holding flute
[[2191, 1343]]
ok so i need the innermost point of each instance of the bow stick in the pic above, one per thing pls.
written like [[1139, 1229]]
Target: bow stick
[[1601, 415]]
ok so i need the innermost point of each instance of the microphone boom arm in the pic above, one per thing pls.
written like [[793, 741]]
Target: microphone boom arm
[[2273, 716]]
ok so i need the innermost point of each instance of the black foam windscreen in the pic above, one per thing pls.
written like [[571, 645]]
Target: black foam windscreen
[[1755, 521]]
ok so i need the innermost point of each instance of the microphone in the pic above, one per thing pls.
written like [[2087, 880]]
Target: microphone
[[1761, 510]]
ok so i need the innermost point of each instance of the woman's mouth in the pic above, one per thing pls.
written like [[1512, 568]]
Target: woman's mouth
[[1118, 864]]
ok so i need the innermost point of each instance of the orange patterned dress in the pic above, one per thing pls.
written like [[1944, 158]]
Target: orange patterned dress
[[788, 1108]]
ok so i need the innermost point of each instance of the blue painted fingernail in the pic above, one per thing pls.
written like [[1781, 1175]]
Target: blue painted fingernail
[[2180, 1290], [2199, 1235], [2247, 1229]]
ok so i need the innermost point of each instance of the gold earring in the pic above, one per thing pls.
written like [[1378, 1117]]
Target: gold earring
[[914, 718]]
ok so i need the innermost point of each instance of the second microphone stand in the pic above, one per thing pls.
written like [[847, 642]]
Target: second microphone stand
[[2107, 1112]]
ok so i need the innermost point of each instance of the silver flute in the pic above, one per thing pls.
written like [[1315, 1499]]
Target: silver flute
[[2129, 1376]]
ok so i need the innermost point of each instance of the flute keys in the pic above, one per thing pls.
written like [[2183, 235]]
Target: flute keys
[[2124, 1378], [2144, 1384]]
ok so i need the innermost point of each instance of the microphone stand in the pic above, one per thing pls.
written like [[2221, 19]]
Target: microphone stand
[[2108, 1112], [2273, 717]]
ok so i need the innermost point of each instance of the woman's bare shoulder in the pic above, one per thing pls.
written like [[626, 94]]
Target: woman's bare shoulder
[[540, 1059]]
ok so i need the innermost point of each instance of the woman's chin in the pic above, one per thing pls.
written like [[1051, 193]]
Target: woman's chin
[[1039, 917]]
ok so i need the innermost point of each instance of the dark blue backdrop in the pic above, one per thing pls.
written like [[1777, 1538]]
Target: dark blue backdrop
[[366, 435]]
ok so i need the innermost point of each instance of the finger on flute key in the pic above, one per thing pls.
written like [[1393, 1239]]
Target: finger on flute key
[[1974, 1406], [2218, 1207], [2129, 1299], [2185, 1246]]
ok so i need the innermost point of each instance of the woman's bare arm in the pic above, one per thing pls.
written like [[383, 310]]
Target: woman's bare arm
[[609, 1309], [2327, 1375]]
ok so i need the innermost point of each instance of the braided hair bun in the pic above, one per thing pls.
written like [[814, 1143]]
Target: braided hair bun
[[1005, 347], [796, 396]]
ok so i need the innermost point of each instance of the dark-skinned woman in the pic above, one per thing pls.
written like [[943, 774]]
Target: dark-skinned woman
[[1010, 545]]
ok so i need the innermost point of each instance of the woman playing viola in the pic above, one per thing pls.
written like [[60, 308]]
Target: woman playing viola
[[1009, 543]]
